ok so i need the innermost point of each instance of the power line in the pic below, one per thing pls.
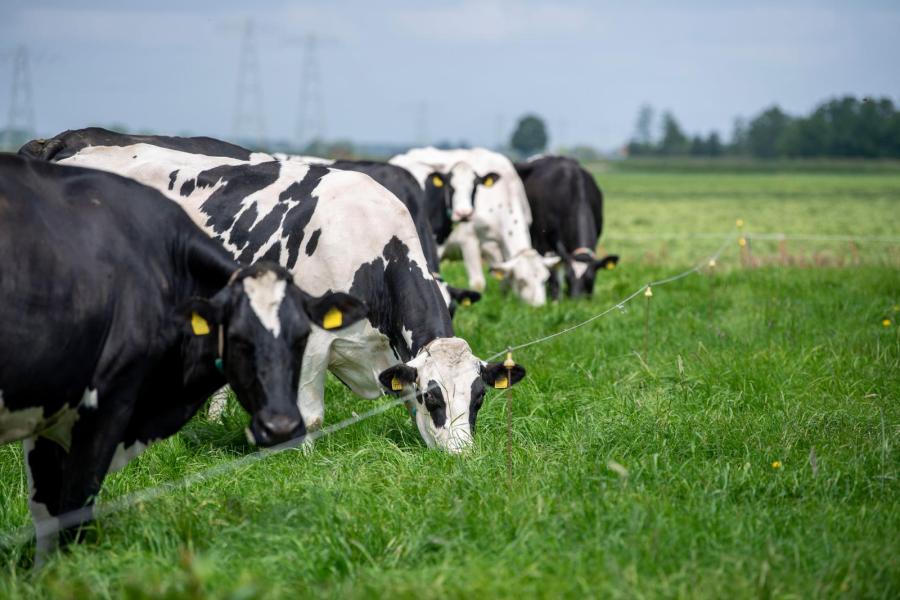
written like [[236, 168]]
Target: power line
[[20, 118], [249, 118], [311, 113]]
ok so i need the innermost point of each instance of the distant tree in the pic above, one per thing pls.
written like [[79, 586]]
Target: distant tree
[[766, 133], [839, 127], [530, 135], [846, 127], [643, 129], [674, 142], [738, 144], [641, 142], [698, 146], [714, 145]]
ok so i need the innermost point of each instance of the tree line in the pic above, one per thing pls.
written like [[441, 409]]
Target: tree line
[[845, 127]]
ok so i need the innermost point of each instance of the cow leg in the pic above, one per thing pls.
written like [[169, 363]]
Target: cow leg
[[311, 395], [93, 443], [471, 254], [554, 285], [217, 404], [43, 466]]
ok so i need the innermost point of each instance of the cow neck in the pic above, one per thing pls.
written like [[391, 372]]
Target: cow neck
[[418, 314], [424, 315], [582, 229]]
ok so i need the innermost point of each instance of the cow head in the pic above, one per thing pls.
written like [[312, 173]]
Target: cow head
[[465, 183], [257, 327], [449, 382], [581, 270], [528, 272]]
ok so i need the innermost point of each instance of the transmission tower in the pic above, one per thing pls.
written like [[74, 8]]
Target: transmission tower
[[249, 119], [20, 119], [311, 117]]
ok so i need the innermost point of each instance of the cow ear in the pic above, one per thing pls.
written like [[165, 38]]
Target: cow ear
[[607, 262], [464, 297], [334, 310], [489, 180], [200, 315], [497, 376], [436, 179], [395, 379]]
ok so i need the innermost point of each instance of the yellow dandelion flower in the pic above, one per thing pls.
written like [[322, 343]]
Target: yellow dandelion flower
[[776, 464], [886, 322]]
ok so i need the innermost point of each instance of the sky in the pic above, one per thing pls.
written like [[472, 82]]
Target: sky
[[459, 70]]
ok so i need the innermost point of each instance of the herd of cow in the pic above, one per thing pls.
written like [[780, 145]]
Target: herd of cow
[[140, 274]]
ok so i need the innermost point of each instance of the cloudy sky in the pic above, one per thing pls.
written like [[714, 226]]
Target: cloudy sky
[[475, 65]]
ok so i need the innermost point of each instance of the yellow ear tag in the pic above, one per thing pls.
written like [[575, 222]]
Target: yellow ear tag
[[501, 383], [466, 302], [489, 182], [334, 318], [199, 325], [396, 384], [437, 181], [498, 275], [610, 266]]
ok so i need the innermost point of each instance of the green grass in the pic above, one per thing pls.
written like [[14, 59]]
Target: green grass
[[633, 476]]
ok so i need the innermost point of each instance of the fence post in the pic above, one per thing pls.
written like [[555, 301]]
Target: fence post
[[509, 363], [648, 293]]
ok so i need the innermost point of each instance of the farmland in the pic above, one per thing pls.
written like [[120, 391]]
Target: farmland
[[751, 451]]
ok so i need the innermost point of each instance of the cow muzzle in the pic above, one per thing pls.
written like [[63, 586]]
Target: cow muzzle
[[462, 215], [269, 428]]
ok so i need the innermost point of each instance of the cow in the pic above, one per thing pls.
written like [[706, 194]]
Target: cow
[[402, 184], [567, 210], [496, 225], [334, 231], [119, 317]]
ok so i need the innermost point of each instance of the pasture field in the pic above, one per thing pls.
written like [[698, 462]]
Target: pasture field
[[752, 452]]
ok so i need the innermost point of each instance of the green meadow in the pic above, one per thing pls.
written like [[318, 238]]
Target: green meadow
[[736, 435]]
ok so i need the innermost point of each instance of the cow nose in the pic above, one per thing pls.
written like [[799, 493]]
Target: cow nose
[[277, 428], [462, 215]]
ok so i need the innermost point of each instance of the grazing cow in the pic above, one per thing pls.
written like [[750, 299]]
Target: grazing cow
[[402, 184], [488, 201], [119, 317], [567, 209], [333, 230]]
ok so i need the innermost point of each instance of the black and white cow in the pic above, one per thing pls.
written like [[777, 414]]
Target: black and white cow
[[119, 317], [402, 184], [334, 231], [492, 216], [567, 219]]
